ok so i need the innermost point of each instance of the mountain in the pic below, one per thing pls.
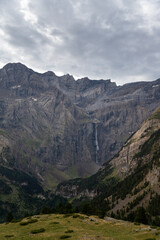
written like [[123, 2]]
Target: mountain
[[128, 186], [55, 128]]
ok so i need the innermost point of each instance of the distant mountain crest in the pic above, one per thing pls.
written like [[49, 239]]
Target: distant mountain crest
[[62, 122]]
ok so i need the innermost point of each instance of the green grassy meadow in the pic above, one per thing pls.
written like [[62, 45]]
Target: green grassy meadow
[[75, 227]]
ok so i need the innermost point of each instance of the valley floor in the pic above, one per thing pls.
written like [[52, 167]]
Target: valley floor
[[76, 227]]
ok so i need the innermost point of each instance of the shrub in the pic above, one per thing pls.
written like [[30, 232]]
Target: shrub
[[39, 230], [24, 223], [67, 215], [76, 216], [69, 231], [65, 236], [16, 220], [28, 222], [150, 239], [136, 223], [153, 227], [32, 220], [8, 236]]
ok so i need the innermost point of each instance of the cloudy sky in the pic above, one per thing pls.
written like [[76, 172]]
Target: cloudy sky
[[116, 39]]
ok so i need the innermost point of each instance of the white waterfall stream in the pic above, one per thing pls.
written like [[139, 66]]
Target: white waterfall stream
[[96, 142]]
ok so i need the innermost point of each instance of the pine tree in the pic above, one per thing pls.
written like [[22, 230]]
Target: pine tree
[[9, 217]]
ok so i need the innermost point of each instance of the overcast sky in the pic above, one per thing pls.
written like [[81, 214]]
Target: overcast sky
[[116, 39]]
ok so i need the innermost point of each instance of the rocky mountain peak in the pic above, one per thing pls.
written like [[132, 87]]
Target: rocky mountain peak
[[68, 80], [13, 75], [15, 66], [50, 74]]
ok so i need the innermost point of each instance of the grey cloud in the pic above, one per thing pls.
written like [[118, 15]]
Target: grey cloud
[[57, 32], [53, 13], [24, 36], [99, 39]]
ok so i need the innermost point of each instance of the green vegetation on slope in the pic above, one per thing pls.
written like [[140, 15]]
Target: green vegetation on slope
[[150, 145], [97, 182], [22, 194], [156, 114], [75, 227]]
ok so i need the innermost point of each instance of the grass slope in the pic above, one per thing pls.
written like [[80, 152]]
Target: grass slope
[[75, 227]]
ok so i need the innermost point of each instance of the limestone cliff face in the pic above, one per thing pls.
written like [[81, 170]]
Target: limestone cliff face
[[137, 162], [58, 128], [126, 161]]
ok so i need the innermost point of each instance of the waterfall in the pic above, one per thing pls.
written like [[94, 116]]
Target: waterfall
[[96, 139], [96, 143]]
